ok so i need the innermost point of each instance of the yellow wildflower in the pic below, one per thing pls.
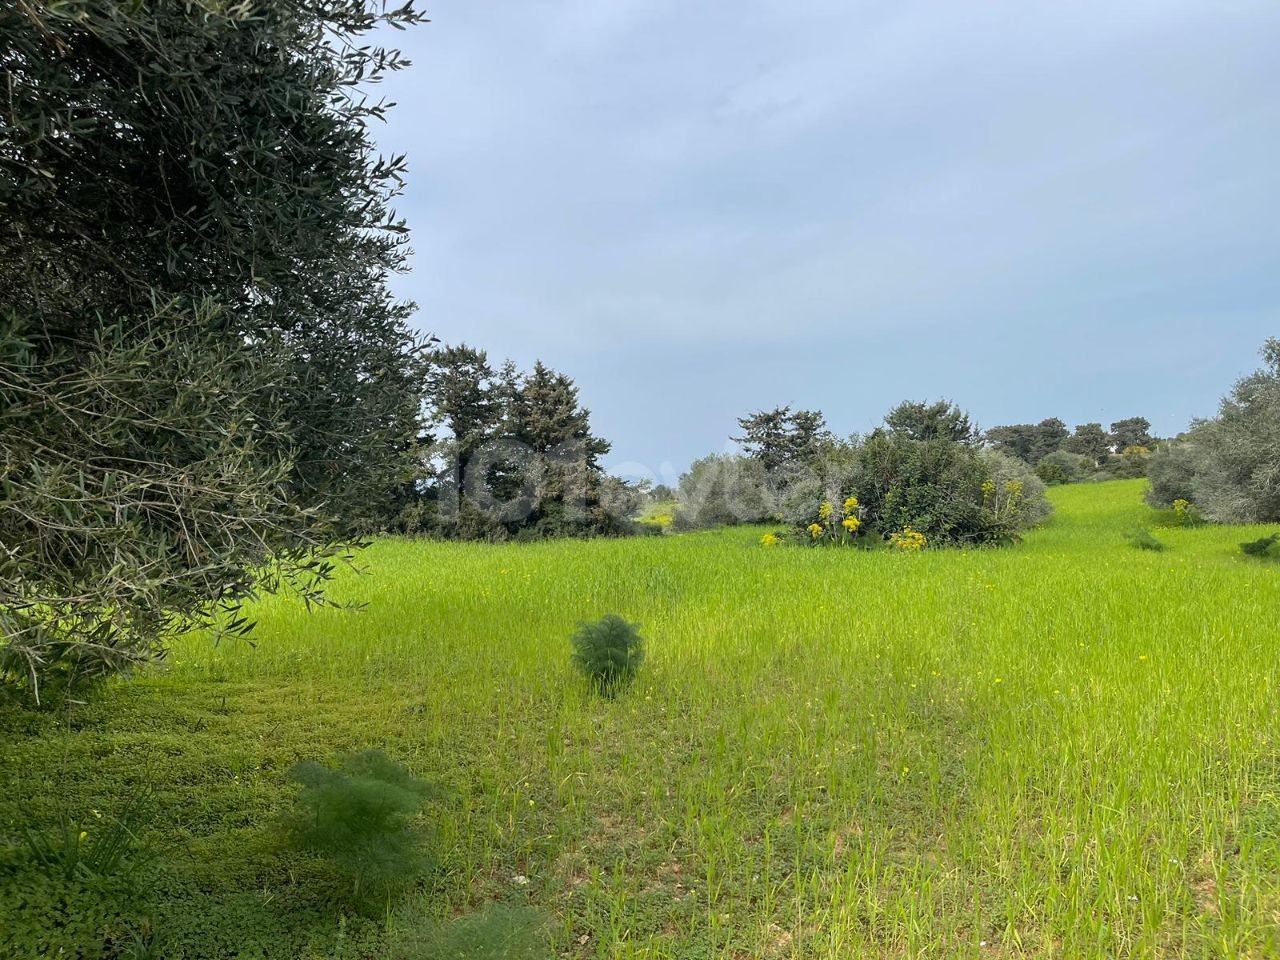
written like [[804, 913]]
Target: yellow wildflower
[[851, 524], [850, 504], [815, 530], [770, 540], [908, 539], [824, 511]]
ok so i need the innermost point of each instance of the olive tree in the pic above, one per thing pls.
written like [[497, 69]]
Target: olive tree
[[1229, 465], [206, 388]]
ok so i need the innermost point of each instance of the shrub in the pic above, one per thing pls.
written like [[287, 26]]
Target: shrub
[[358, 815], [724, 489], [1060, 466], [1144, 540], [1262, 547], [609, 651], [835, 524], [1021, 502], [950, 492], [1130, 464], [1230, 464], [1171, 472]]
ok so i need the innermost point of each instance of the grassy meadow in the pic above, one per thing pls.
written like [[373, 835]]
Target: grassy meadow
[[1067, 748]]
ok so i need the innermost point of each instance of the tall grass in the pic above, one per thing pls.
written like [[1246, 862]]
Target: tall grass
[[1062, 749]]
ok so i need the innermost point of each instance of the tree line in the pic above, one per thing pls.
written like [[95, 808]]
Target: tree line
[[208, 390], [508, 454], [925, 471]]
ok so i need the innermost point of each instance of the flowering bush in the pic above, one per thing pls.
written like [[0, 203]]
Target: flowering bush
[[908, 539]]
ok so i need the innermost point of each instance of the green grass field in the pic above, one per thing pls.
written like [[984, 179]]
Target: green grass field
[[1063, 749]]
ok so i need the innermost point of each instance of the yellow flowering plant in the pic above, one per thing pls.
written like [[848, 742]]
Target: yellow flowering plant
[[908, 539], [836, 525]]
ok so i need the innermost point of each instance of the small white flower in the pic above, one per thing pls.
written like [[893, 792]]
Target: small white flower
[[520, 880]]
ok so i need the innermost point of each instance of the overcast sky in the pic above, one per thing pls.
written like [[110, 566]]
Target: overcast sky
[[701, 209]]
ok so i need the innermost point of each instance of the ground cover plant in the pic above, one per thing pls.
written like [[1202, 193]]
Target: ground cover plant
[[1064, 748]]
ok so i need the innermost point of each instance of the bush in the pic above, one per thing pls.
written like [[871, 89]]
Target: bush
[[358, 815], [1186, 514], [1020, 500], [950, 492], [833, 524], [723, 489], [1171, 473], [1144, 540], [1229, 465], [1063, 467], [1131, 464], [608, 651], [1261, 548]]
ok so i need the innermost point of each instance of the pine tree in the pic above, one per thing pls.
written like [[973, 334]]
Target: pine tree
[[558, 429], [785, 443], [1089, 440], [766, 436]]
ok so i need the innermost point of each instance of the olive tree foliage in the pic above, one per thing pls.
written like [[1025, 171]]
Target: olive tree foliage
[[721, 489], [206, 388], [1229, 465]]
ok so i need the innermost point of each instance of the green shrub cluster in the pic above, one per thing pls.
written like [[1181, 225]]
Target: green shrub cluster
[[608, 651], [1142, 539], [924, 474], [1262, 547], [722, 490], [1229, 465], [950, 492]]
